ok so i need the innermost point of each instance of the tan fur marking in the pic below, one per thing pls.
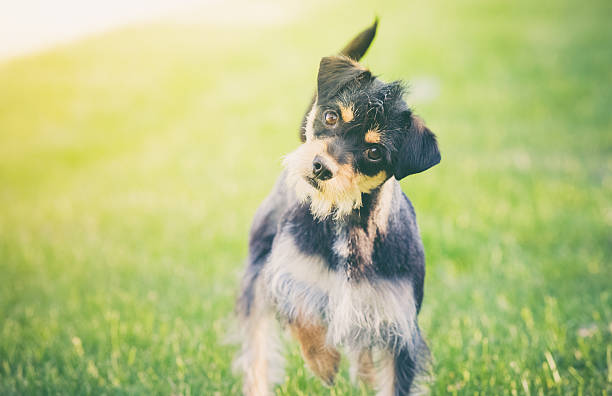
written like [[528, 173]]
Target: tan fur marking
[[365, 367], [347, 112], [383, 207], [342, 192], [368, 183], [372, 136], [322, 359], [418, 124]]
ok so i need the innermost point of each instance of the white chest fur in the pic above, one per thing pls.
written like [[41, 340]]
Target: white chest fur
[[358, 314]]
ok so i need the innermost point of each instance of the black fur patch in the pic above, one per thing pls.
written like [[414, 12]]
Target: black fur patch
[[311, 236]]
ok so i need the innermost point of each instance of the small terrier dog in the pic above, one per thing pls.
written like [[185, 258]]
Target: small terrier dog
[[334, 251]]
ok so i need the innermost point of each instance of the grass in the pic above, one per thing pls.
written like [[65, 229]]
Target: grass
[[131, 164]]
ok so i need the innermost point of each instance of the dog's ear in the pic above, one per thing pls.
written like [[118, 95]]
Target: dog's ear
[[355, 50], [418, 148], [336, 72], [358, 46]]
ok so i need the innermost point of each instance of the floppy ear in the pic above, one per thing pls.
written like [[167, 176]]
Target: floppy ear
[[335, 72], [418, 149]]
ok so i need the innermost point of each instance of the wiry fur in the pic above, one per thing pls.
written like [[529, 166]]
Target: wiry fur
[[340, 195], [357, 315], [334, 251], [260, 358]]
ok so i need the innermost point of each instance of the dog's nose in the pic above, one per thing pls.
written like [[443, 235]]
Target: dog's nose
[[319, 169]]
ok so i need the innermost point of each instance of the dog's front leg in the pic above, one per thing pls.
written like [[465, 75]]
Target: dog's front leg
[[321, 358], [362, 366]]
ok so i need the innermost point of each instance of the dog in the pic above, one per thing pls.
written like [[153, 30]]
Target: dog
[[335, 253]]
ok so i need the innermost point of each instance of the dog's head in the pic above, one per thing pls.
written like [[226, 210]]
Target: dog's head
[[358, 134]]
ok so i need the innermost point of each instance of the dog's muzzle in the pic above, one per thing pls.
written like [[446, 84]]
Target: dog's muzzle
[[320, 169]]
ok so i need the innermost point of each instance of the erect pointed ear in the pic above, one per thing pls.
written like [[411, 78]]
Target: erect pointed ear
[[358, 46], [418, 148], [355, 50], [335, 72]]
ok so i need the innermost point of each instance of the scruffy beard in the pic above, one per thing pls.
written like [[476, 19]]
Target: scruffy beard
[[338, 196]]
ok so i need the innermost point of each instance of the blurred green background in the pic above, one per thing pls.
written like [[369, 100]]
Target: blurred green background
[[132, 162]]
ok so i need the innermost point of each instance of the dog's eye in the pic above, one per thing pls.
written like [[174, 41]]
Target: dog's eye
[[374, 154], [330, 117]]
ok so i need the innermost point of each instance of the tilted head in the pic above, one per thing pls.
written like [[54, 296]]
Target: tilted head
[[358, 134]]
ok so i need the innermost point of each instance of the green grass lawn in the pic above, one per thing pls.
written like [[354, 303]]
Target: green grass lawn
[[131, 164]]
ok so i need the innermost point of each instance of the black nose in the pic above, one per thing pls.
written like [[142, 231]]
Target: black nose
[[319, 169]]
